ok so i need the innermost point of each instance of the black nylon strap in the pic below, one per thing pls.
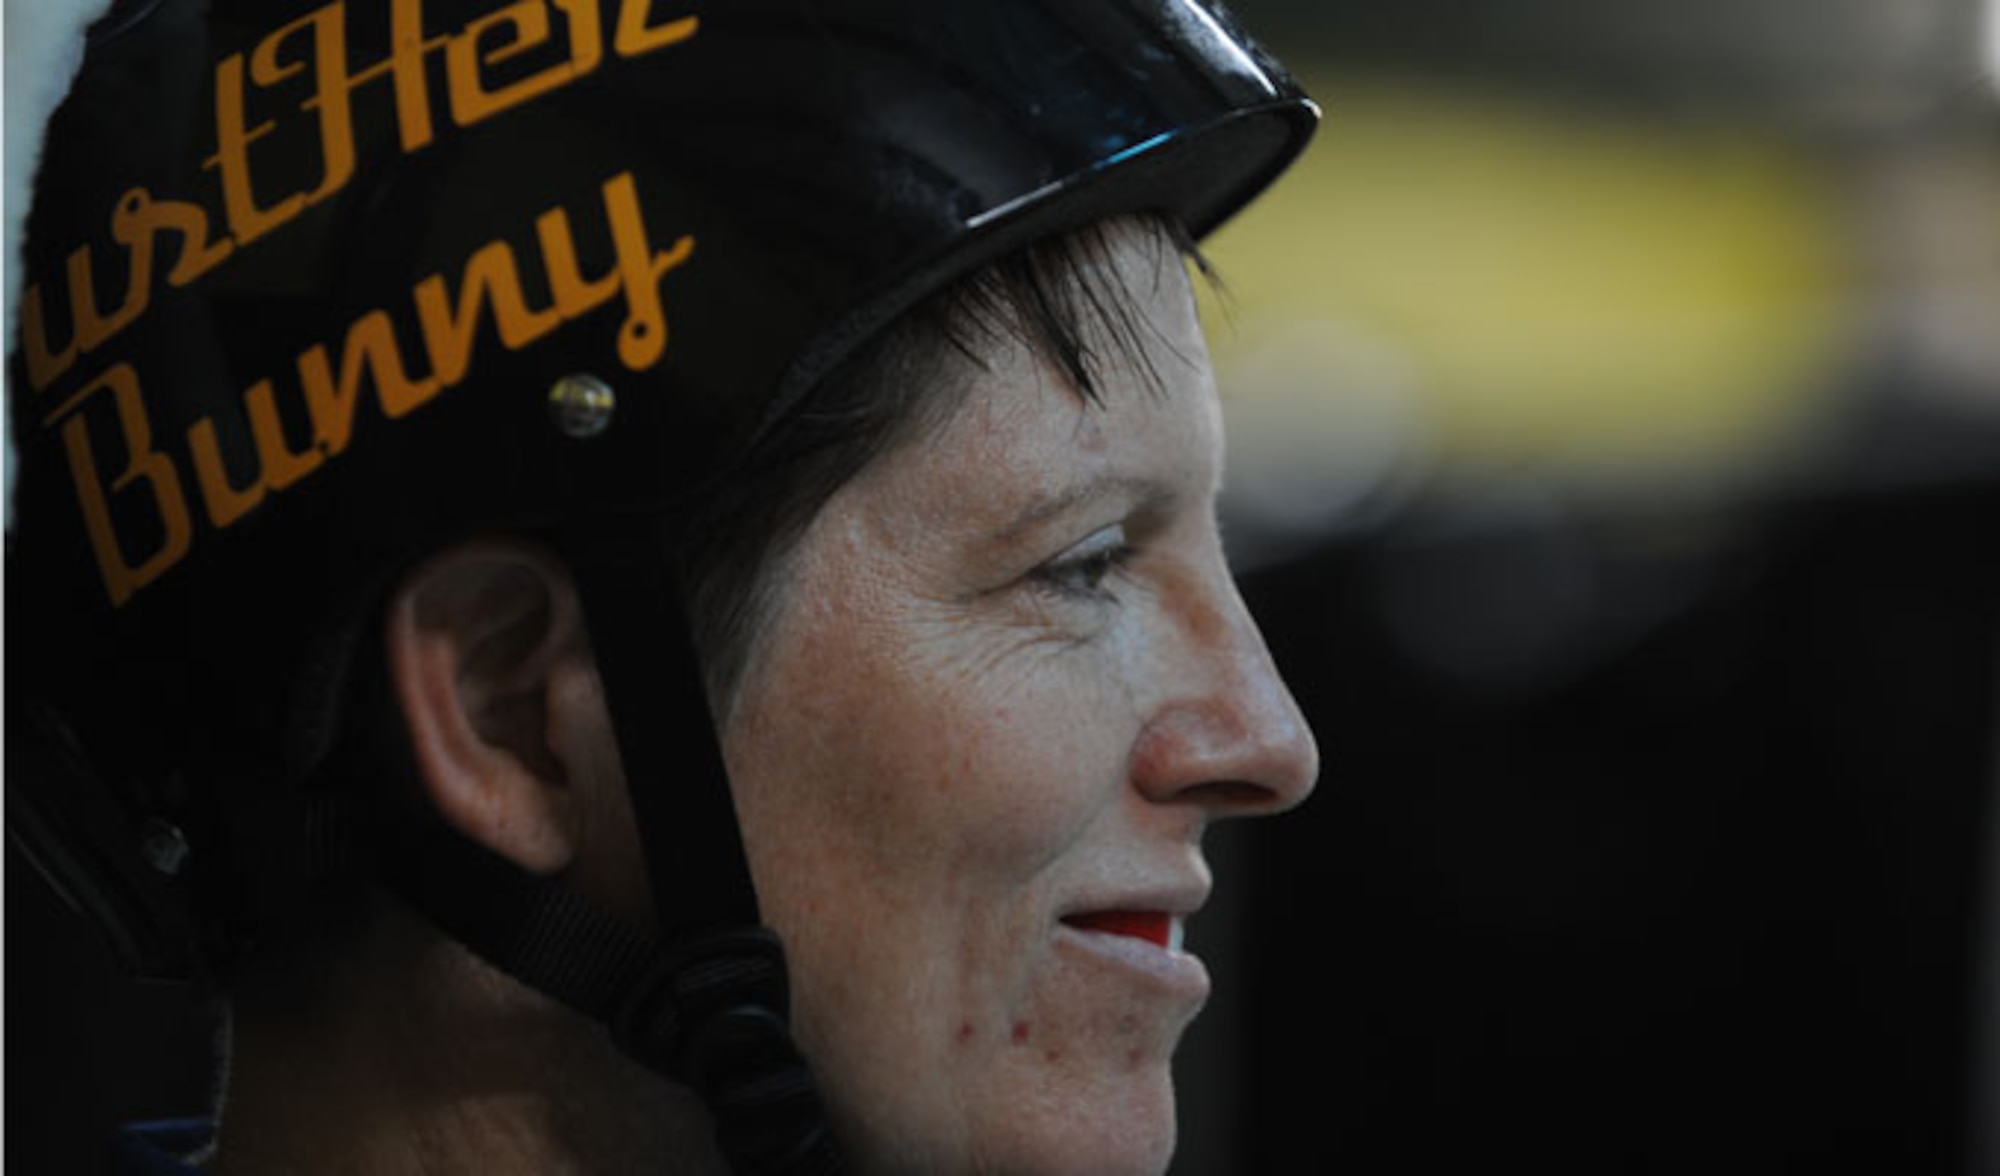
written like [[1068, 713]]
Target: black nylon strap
[[529, 926], [709, 1011], [707, 1003], [659, 709]]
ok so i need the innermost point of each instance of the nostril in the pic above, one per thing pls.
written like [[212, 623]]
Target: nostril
[[1232, 760], [1233, 794]]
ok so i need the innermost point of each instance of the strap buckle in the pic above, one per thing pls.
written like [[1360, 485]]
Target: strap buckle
[[712, 1009]]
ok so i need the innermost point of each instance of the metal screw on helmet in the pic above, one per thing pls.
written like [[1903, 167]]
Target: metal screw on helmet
[[165, 847], [582, 405]]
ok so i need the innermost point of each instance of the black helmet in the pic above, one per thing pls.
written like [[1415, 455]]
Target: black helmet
[[315, 287]]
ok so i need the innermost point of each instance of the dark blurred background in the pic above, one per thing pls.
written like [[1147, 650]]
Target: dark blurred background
[[1616, 471], [1615, 396]]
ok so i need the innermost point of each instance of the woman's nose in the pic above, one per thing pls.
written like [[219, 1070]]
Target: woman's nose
[[1226, 733]]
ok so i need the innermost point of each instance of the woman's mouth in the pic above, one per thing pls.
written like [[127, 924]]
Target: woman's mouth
[[1158, 928], [1142, 945]]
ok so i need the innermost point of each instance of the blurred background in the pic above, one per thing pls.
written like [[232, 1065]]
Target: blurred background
[[1615, 459], [1615, 409]]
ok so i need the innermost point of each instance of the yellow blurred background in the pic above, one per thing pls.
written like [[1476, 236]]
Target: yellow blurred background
[[1531, 243]]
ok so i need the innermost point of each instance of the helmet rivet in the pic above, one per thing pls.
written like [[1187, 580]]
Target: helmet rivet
[[165, 847], [582, 405]]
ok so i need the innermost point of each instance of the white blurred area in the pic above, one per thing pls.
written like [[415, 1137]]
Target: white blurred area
[[1993, 44], [41, 45], [1617, 252]]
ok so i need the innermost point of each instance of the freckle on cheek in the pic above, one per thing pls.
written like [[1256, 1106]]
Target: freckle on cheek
[[1020, 1033], [964, 1032]]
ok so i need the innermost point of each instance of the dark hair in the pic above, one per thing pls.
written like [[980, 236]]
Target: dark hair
[[1058, 297]]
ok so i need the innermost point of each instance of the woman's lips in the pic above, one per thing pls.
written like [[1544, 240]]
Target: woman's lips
[[1155, 927], [1143, 944]]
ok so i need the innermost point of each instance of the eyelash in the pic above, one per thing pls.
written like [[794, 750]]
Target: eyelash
[[1080, 573]]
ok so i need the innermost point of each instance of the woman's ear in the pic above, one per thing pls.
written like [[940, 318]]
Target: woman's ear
[[485, 642]]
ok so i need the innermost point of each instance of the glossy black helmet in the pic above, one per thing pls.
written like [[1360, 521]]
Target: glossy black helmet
[[314, 287]]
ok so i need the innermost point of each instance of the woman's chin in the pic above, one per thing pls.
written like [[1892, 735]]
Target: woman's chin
[[1132, 1135], [1057, 1131]]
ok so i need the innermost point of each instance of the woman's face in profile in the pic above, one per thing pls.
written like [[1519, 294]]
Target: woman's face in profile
[[1006, 684]]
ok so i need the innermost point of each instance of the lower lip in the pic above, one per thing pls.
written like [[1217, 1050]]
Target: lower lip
[[1174, 974]]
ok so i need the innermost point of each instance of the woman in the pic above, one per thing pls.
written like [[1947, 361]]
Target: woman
[[864, 584]]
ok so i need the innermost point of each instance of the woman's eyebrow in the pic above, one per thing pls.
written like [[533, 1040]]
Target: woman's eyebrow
[[1141, 493]]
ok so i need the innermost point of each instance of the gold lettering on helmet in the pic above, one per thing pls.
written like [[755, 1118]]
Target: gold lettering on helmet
[[642, 339], [90, 326], [635, 36], [525, 25], [135, 224], [144, 465], [370, 351], [233, 136], [278, 464], [408, 80], [498, 62], [139, 219], [44, 363], [491, 279], [149, 497]]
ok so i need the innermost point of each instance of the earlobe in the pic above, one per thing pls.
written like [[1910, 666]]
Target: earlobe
[[481, 643]]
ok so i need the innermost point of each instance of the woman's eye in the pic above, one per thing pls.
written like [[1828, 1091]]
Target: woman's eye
[[1082, 571]]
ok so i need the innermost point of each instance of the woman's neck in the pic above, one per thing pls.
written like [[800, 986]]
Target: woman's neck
[[402, 1055]]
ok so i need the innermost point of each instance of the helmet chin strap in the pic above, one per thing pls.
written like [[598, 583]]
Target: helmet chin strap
[[704, 1000], [708, 1010]]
